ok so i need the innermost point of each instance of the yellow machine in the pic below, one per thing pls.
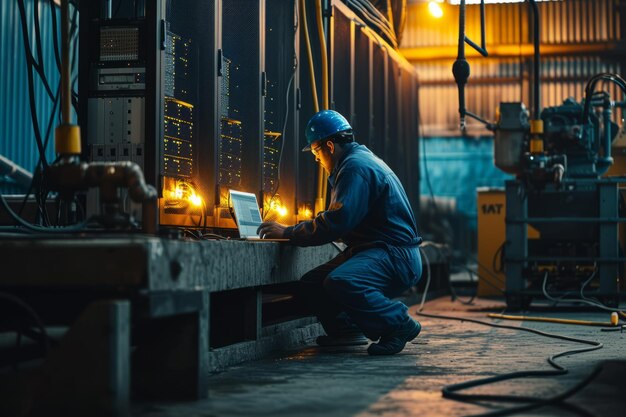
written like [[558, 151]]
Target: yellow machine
[[491, 236]]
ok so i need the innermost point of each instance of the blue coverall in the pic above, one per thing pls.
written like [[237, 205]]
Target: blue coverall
[[370, 212]]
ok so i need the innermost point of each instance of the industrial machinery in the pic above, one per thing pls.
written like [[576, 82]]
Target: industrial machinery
[[559, 156], [560, 192]]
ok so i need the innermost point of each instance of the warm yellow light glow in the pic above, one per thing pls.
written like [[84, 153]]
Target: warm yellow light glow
[[196, 200], [184, 191], [304, 212], [457, 2], [282, 211], [435, 9]]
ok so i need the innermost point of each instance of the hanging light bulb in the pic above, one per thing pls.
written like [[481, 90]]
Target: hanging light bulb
[[435, 9]]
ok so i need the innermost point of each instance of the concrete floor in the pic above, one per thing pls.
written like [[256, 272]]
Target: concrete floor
[[329, 382]]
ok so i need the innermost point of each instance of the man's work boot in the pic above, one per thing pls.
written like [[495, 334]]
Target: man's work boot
[[352, 338], [395, 341]]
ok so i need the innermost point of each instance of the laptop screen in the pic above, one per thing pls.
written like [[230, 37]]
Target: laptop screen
[[247, 213]]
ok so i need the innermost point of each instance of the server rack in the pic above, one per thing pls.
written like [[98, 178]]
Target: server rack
[[281, 147], [148, 78], [116, 71], [240, 147], [189, 85]]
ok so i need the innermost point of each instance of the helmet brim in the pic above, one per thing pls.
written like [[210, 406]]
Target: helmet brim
[[307, 148]]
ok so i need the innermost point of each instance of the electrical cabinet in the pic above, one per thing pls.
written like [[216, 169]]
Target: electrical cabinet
[[148, 82]]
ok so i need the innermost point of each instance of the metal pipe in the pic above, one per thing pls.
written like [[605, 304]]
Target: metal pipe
[[461, 46], [21, 176], [66, 92], [612, 323], [460, 68], [605, 162], [120, 174], [323, 53], [307, 41], [591, 86], [390, 17], [536, 59], [483, 37], [321, 177]]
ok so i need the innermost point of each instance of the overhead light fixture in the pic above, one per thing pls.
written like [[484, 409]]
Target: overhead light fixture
[[435, 9]]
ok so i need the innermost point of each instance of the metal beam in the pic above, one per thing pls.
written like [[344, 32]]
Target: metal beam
[[449, 52], [503, 80]]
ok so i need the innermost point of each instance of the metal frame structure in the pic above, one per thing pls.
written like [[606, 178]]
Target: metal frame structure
[[599, 224]]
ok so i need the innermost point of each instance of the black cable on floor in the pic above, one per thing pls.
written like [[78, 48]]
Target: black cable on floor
[[451, 391]]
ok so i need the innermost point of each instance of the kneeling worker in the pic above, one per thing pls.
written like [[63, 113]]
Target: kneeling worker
[[370, 212]]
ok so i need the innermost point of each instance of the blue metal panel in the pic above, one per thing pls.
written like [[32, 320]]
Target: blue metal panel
[[17, 140], [456, 167]]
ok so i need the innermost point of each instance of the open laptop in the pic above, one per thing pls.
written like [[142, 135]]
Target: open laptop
[[248, 216]]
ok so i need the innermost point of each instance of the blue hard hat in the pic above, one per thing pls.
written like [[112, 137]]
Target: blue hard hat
[[324, 124]]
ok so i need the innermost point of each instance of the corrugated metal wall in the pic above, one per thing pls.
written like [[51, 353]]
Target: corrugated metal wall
[[564, 21], [587, 30], [18, 140], [498, 80]]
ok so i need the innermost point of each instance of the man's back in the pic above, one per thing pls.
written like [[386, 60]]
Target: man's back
[[389, 217], [368, 204]]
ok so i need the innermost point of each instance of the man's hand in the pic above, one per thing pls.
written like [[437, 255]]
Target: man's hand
[[271, 230]]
